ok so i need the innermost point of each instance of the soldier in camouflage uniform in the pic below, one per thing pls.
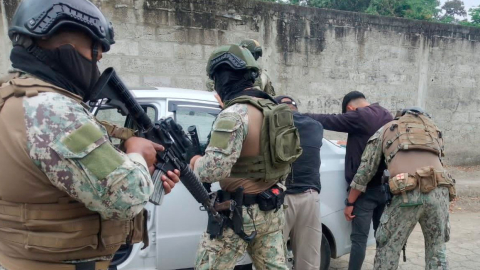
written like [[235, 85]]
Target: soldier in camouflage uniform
[[234, 139], [68, 198], [263, 82], [412, 147]]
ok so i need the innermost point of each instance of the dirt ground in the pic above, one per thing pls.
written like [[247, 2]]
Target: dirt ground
[[463, 250]]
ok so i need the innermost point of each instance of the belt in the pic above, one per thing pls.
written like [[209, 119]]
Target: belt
[[99, 265], [250, 199], [21, 264]]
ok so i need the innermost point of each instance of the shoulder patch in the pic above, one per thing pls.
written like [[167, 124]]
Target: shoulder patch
[[83, 137], [226, 124], [89, 146], [222, 132]]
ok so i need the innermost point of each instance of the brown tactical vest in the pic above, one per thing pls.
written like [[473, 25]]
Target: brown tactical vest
[[39, 222], [412, 142]]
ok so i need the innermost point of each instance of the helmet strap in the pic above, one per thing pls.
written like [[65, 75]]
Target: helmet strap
[[32, 48], [94, 64]]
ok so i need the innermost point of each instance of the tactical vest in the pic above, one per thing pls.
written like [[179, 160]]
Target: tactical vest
[[42, 223], [413, 147], [412, 132], [279, 142]]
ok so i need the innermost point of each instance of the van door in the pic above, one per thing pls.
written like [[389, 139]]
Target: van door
[[155, 110], [179, 221]]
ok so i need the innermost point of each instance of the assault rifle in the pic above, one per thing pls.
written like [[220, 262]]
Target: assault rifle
[[166, 132], [197, 150]]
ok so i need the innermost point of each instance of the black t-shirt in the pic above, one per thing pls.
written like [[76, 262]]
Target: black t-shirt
[[306, 169]]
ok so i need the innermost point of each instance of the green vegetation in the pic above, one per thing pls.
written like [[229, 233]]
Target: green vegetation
[[428, 10]]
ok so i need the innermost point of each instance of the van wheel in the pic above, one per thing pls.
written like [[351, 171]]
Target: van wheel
[[325, 254]]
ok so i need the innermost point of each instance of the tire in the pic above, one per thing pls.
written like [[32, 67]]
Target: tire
[[325, 254]]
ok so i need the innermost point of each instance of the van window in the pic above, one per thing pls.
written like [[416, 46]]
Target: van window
[[187, 117], [113, 116], [200, 115]]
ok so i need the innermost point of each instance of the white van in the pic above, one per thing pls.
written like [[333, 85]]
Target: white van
[[176, 225]]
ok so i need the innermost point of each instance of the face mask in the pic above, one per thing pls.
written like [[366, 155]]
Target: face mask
[[229, 82], [82, 72]]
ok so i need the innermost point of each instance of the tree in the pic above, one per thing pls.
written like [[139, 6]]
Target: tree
[[475, 20], [349, 5], [412, 9], [454, 8], [475, 14]]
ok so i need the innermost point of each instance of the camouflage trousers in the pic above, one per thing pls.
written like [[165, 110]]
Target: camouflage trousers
[[397, 223], [267, 250]]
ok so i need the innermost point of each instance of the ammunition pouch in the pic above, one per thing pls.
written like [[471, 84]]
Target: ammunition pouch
[[426, 178], [445, 180], [271, 199]]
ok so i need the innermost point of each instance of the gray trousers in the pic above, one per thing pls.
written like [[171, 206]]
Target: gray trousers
[[368, 208], [303, 225]]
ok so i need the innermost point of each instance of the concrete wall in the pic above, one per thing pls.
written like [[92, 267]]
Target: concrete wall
[[313, 54]]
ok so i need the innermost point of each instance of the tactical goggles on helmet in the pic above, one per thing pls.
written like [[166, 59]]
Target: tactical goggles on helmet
[[289, 102]]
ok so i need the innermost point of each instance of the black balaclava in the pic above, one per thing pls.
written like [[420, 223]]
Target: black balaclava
[[63, 66], [229, 82]]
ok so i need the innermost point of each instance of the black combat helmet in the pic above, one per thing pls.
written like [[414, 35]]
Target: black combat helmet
[[37, 19]]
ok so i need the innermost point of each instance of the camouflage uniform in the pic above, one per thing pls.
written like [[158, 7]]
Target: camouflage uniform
[[75, 154], [262, 80], [267, 248], [107, 181], [397, 222]]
